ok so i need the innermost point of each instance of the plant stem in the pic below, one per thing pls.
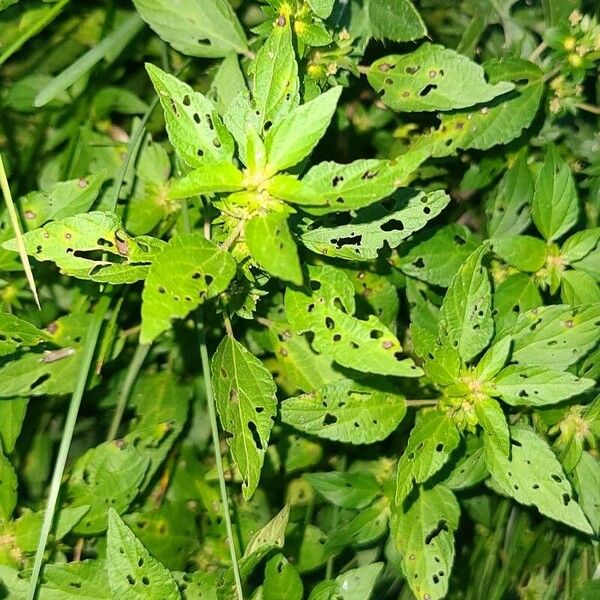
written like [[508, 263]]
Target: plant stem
[[87, 354], [134, 368], [560, 568], [233, 236], [421, 402], [595, 110]]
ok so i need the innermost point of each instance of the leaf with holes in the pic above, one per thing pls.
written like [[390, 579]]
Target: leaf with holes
[[432, 78], [272, 246], [195, 128], [398, 21], [377, 227], [187, 272], [15, 332], [364, 529], [347, 411], [424, 535], [523, 385], [272, 535], [282, 580], [517, 294], [78, 580], [356, 584], [246, 402], [207, 178], [429, 446], [360, 183], [466, 313], [441, 361], [555, 205], [351, 490], [555, 336], [134, 574], [534, 477], [209, 28], [326, 310]]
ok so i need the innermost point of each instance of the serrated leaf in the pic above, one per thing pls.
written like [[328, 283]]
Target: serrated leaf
[[272, 246], [466, 313], [360, 183], [432, 78], [440, 360], [321, 8], [515, 295], [578, 287], [398, 21], [470, 468], [246, 402], [82, 580], [555, 205], [493, 422], [133, 573], [294, 136], [187, 272], [425, 537], [282, 580], [523, 252], [15, 332], [493, 360], [429, 446], [555, 336], [346, 411], [365, 528], [326, 309], [352, 490], [580, 245], [377, 226], [533, 476], [523, 385], [210, 28], [272, 535], [207, 178], [195, 128]]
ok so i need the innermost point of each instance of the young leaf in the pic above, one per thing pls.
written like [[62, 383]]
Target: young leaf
[[555, 206], [294, 136], [134, 574], [321, 8], [432, 78], [15, 332], [272, 246], [466, 313], [246, 402], [493, 360], [579, 287], [533, 476], [207, 178], [376, 226], [187, 272], [425, 536], [195, 129], [210, 28], [440, 360], [291, 189], [493, 422], [326, 310], [346, 411], [522, 385], [352, 490], [429, 446], [523, 252], [398, 21]]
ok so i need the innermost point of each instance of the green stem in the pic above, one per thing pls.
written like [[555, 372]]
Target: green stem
[[421, 402], [334, 522], [65, 442], [560, 568], [132, 373]]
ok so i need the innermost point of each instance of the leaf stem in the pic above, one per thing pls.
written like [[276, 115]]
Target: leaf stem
[[595, 110], [421, 402], [132, 373], [67, 436], [234, 235]]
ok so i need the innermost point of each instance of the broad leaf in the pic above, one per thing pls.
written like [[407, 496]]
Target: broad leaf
[[352, 490], [493, 360], [326, 309], [78, 580], [15, 332], [245, 397], [515, 295], [578, 287], [432, 78], [282, 580], [8, 489], [207, 178], [346, 411], [12, 415], [364, 529], [187, 272], [523, 252], [398, 21], [272, 535], [493, 422]]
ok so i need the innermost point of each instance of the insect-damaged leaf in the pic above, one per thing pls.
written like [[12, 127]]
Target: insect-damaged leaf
[[326, 309], [195, 128], [92, 246], [15, 332], [188, 271], [347, 411], [245, 397], [376, 226], [432, 78]]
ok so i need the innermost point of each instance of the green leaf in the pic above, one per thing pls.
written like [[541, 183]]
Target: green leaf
[[12, 415], [466, 313], [360, 183], [364, 529], [493, 360], [376, 226], [82, 580], [523, 252], [8, 489], [321, 8], [579, 287], [580, 245], [436, 256], [281, 580], [432, 78], [470, 468], [92, 246], [508, 206], [522, 385], [246, 402], [134, 574], [398, 21], [358, 584], [425, 537], [291, 189], [533, 476], [493, 422], [555, 336], [15, 332], [515, 295], [346, 411], [272, 246], [207, 178], [187, 272], [274, 74], [429, 446], [352, 490], [195, 128], [210, 28], [272, 535], [293, 137], [586, 479], [555, 205], [326, 309], [440, 360]]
